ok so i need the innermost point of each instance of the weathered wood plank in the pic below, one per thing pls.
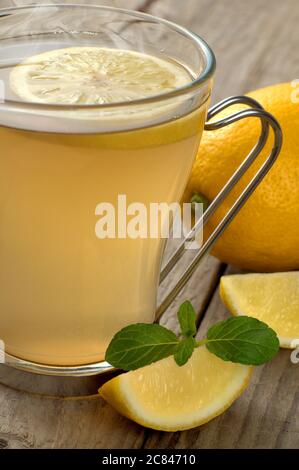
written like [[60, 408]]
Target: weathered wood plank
[[31, 421], [252, 43], [198, 290]]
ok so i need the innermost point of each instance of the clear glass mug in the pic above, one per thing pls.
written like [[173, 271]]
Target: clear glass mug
[[64, 291]]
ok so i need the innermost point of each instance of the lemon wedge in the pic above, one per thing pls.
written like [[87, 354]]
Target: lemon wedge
[[271, 298], [166, 397], [94, 75]]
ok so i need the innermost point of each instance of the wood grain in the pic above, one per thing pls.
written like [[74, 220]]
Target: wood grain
[[255, 43]]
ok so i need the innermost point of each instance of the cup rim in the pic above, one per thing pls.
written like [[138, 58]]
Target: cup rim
[[206, 74]]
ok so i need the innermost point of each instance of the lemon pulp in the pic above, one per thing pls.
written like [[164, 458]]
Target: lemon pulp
[[167, 397], [94, 75], [272, 298]]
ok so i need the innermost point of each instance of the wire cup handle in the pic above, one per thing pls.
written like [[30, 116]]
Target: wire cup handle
[[267, 121]]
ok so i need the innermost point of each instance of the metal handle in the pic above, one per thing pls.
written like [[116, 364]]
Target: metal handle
[[267, 121]]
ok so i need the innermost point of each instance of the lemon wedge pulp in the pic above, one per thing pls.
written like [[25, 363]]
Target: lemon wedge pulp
[[167, 397], [272, 298]]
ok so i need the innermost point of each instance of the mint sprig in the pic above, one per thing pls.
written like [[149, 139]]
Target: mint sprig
[[244, 340]]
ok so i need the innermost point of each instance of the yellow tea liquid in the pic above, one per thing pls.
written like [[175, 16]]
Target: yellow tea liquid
[[63, 291]]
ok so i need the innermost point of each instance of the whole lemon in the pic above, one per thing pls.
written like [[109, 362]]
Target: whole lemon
[[264, 236]]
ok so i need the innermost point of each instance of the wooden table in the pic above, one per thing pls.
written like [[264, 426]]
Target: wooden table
[[256, 45]]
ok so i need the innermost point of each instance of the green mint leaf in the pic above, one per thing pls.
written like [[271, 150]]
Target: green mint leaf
[[187, 319], [184, 350], [141, 344], [244, 340]]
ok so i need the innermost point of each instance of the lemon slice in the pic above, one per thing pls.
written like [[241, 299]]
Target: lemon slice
[[271, 298], [167, 397], [94, 75]]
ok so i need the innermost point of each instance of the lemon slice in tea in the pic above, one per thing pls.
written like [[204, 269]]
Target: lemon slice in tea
[[94, 75]]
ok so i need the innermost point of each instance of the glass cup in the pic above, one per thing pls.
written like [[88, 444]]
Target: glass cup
[[65, 289]]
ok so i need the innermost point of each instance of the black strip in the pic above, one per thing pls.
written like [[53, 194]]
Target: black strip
[[143, 458]]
